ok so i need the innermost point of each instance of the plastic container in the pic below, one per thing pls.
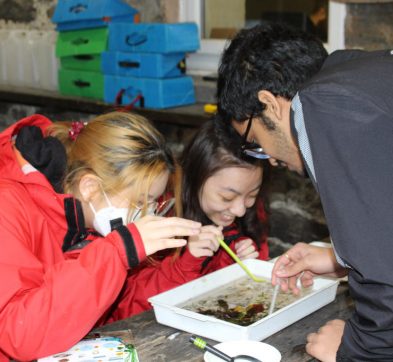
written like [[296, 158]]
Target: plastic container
[[81, 83], [153, 37], [148, 65], [46, 62], [27, 59], [90, 62], [3, 56], [82, 42], [19, 58], [35, 58], [154, 93], [168, 306], [82, 14], [9, 50]]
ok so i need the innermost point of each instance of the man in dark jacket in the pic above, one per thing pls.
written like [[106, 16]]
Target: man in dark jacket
[[332, 118]]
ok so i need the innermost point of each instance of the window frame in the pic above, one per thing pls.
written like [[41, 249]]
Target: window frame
[[206, 59]]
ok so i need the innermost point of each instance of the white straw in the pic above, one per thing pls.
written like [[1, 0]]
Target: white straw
[[274, 297]]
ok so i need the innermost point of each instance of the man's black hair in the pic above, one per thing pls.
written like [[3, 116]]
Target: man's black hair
[[272, 57]]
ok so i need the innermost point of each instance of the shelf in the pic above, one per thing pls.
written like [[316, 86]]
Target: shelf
[[190, 116]]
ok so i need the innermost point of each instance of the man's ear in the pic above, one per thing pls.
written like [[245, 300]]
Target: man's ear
[[89, 187], [272, 106]]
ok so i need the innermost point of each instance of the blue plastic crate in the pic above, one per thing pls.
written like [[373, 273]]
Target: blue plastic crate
[[147, 65], [153, 37], [155, 93], [80, 14]]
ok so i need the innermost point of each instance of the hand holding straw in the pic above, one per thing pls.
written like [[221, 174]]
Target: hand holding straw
[[237, 260]]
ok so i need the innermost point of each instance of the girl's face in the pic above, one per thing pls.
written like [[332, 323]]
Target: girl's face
[[122, 199], [229, 192], [157, 188]]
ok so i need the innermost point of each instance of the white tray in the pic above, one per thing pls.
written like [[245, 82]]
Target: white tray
[[167, 310]]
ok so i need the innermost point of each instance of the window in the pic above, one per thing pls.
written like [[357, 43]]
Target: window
[[326, 20]]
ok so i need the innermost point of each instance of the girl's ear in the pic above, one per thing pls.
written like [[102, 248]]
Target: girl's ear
[[89, 187]]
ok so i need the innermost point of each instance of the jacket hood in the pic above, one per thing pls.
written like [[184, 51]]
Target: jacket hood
[[9, 165], [62, 209]]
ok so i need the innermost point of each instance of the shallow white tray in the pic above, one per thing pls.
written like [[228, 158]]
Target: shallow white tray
[[167, 310]]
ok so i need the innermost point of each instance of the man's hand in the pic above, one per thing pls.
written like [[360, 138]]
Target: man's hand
[[323, 345], [304, 261]]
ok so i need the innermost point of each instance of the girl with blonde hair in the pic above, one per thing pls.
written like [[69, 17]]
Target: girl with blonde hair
[[69, 193]]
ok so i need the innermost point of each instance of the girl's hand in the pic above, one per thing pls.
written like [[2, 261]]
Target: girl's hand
[[159, 233], [245, 249], [206, 242]]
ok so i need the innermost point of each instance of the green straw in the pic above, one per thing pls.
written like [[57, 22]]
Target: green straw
[[242, 265]]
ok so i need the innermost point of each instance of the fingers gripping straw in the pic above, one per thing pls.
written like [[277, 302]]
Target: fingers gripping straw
[[237, 260]]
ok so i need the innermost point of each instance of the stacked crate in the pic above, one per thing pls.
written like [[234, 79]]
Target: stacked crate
[[82, 38], [145, 64], [105, 54]]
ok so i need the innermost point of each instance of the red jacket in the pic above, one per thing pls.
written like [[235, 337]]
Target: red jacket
[[48, 299], [150, 279]]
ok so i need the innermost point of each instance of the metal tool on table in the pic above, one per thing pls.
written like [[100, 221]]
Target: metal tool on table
[[200, 343]]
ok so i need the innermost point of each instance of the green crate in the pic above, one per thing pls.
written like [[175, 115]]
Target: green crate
[[80, 42], [90, 62], [81, 83]]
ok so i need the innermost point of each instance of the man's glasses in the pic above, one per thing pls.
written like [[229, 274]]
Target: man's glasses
[[252, 149], [158, 208]]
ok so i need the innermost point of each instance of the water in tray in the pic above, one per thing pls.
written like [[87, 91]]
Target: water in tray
[[242, 302]]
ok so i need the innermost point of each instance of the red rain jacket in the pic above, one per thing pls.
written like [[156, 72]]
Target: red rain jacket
[[48, 299]]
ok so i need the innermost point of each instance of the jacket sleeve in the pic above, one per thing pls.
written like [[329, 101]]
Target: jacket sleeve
[[153, 278], [47, 302]]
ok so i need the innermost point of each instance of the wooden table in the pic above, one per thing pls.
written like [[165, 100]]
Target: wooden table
[[159, 343]]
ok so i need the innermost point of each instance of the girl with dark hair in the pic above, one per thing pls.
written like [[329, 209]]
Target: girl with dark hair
[[221, 188]]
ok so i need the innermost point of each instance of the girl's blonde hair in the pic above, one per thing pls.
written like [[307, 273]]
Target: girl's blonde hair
[[121, 149]]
